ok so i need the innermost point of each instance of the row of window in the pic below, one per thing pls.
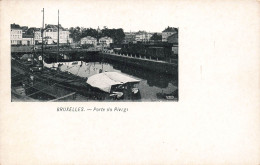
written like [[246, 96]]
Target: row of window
[[168, 33], [16, 36], [15, 41], [16, 31]]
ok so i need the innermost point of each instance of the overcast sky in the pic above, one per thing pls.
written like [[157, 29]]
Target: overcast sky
[[130, 15]]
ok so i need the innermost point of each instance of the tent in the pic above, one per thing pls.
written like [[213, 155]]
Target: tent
[[104, 81]]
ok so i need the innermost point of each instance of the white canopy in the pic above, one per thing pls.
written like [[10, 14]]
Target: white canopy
[[104, 81]]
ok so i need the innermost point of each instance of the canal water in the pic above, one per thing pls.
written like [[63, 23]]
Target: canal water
[[153, 86]]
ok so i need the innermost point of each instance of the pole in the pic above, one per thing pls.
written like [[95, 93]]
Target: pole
[[42, 29], [33, 47], [42, 32], [58, 36]]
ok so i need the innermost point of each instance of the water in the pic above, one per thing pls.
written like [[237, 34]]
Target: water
[[152, 85]]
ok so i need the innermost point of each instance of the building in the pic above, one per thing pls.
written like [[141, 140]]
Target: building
[[33, 31], [173, 38], [168, 32], [88, 40], [24, 29], [37, 36], [51, 31], [129, 38], [27, 39], [16, 34], [142, 36], [105, 41]]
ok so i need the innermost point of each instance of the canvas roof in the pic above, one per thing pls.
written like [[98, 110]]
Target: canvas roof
[[104, 81]]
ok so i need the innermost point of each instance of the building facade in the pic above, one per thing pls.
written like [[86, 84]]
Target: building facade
[[168, 32], [16, 34], [51, 31], [173, 38], [105, 41], [142, 36], [27, 40], [38, 36], [88, 40], [129, 38]]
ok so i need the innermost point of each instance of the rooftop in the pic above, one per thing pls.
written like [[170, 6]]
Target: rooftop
[[15, 26], [105, 38], [55, 27], [27, 36], [89, 38]]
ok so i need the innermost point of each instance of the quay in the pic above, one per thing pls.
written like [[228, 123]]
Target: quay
[[143, 62]]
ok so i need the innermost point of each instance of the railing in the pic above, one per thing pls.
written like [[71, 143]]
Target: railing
[[143, 57]]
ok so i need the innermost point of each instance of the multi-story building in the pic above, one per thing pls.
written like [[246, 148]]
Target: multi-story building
[[27, 39], [168, 32], [51, 31], [16, 34], [129, 37], [88, 40], [173, 38], [36, 32], [38, 35], [106, 41], [142, 36]]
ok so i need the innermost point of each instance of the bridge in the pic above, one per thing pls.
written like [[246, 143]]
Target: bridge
[[50, 55]]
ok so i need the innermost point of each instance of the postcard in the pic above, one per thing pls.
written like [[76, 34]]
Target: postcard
[[129, 82]]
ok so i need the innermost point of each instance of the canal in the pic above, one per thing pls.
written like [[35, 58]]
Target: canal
[[153, 86]]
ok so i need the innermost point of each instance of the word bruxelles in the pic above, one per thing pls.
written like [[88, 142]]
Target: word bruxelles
[[73, 109], [96, 109]]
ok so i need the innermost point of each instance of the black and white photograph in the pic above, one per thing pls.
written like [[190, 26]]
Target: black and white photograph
[[90, 58]]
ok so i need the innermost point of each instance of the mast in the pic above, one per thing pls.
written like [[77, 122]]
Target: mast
[[58, 36], [33, 46], [42, 30]]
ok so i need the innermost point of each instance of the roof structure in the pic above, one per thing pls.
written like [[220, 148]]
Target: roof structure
[[24, 28], [54, 27], [89, 38], [27, 36], [15, 26], [105, 38], [104, 81], [141, 32], [175, 35]]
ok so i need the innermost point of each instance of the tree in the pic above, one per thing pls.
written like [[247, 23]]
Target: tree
[[156, 37], [75, 33], [116, 34]]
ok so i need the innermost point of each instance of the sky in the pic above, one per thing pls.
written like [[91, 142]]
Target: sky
[[151, 16]]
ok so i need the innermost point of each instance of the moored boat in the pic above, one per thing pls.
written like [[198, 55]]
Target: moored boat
[[117, 85]]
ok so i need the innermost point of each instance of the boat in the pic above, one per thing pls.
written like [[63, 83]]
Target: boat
[[170, 96], [118, 85]]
